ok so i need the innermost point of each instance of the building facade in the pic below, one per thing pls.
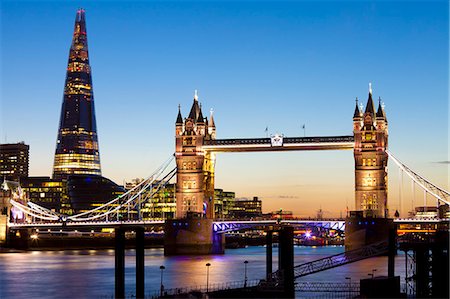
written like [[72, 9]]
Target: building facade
[[156, 203], [77, 150], [371, 140], [48, 193], [14, 160], [245, 208]]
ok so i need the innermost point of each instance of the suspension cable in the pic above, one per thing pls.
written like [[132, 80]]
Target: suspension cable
[[439, 193]]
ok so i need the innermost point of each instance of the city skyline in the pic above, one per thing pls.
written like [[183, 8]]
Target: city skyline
[[294, 64]]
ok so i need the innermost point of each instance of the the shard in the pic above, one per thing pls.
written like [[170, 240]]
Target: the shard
[[77, 149]]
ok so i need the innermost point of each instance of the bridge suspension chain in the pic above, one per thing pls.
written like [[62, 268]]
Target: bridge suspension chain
[[437, 192], [134, 197]]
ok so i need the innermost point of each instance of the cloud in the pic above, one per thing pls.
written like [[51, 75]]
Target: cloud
[[288, 196], [442, 162]]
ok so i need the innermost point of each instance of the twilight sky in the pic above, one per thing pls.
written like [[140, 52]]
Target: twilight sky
[[258, 64]]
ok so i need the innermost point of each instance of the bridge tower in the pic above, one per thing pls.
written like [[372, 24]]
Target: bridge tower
[[195, 174], [192, 232], [370, 130]]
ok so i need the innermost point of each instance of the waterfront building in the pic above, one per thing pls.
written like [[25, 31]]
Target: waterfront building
[[245, 208], [77, 150], [14, 160], [426, 212], [281, 214], [157, 203], [48, 193], [223, 202], [228, 198]]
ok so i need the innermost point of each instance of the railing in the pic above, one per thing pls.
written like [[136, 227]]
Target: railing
[[341, 259], [212, 287], [333, 287]]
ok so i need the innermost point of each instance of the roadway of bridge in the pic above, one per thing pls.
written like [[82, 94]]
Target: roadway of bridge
[[222, 226]]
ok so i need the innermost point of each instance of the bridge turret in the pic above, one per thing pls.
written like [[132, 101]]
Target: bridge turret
[[179, 123], [201, 126], [371, 160], [357, 117], [211, 125]]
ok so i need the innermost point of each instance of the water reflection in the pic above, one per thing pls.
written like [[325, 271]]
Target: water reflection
[[90, 273]]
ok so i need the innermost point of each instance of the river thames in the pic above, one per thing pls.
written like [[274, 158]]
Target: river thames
[[90, 273]]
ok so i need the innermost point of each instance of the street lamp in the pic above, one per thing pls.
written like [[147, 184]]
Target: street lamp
[[373, 272], [245, 273], [207, 276], [162, 286]]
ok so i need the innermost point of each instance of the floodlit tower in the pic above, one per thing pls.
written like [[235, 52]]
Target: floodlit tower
[[77, 149], [195, 174], [370, 130]]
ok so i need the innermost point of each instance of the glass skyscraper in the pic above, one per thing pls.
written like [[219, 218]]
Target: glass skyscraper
[[77, 149]]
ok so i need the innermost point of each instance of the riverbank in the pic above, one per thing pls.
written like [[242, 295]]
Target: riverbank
[[93, 242]]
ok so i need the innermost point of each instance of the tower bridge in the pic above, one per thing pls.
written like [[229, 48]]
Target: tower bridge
[[196, 146]]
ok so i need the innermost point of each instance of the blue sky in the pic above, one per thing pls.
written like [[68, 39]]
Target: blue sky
[[258, 64]]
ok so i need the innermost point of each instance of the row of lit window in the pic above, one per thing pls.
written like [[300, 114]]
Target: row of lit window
[[189, 184], [369, 182], [370, 203], [43, 189], [188, 141], [80, 157], [369, 136], [80, 131], [83, 55], [189, 165], [78, 67], [369, 162], [80, 165], [77, 171]]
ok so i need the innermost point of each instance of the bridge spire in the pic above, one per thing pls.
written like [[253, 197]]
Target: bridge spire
[[380, 112], [370, 108], [195, 95], [357, 113], [200, 118], [179, 117], [195, 109], [211, 118]]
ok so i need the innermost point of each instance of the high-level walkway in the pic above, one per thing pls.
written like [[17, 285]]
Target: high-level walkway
[[280, 144]]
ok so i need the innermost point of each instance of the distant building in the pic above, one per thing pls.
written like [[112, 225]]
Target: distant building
[[281, 213], [244, 208], [228, 202], [14, 160], [426, 212], [90, 191], [48, 193], [157, 204], [444, 211]]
